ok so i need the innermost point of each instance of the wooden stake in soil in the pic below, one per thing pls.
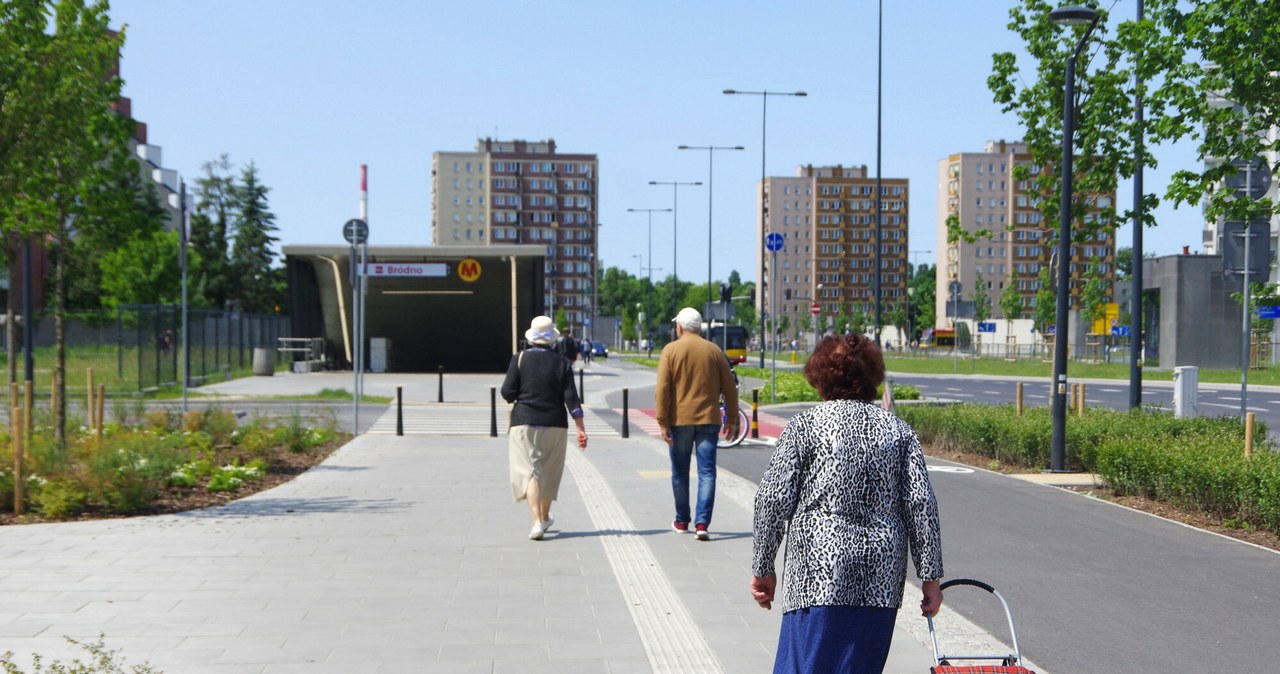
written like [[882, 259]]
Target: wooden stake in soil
[[1250, 421], [102, 397], [1018, 398], [15, 440], [1080, 401], [28, 415], [89, 406], [54, 398]]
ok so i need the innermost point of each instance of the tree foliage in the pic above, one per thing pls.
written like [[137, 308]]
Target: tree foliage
[[251, 253], [1209, 73], [1011, 300], [211, 225]]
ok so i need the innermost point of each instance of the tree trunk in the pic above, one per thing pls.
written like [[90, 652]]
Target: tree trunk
[[60, 335]]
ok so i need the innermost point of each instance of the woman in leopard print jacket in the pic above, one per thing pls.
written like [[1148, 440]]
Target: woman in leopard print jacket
[[850, 479]]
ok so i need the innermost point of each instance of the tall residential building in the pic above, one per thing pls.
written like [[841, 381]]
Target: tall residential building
[[826, 215], [978, 189], [516, 191]]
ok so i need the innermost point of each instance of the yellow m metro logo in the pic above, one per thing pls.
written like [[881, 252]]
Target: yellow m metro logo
[[469, 270]]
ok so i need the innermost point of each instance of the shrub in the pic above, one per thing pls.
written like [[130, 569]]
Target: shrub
[[128, 477], [102, 661], [233, 476], [61, 497]]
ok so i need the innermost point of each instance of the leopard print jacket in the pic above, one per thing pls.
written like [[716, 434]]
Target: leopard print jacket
[[850, 478]]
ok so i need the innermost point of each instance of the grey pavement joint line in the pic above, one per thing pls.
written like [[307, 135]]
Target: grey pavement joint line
[[671, 638]]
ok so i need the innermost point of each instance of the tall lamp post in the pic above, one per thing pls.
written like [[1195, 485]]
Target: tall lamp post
[[675, 226], [647, 304], [711, 172], [764, 210], [1071, 15]]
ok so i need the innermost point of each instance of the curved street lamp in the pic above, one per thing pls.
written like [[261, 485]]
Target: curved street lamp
[[764, 127], [1071, 15]]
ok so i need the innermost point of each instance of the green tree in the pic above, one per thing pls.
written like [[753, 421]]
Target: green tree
[[898, 318], [1124, 262], [922, 292], [628, 326], [58, 131], [251, 253], [562, 321], [1044, 306], [1011, 301], [144, 270], [981, 306], [1093, 297], [1210, 74], [211, 223]]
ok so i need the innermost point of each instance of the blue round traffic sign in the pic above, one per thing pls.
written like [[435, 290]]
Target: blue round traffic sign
[[773, 241]]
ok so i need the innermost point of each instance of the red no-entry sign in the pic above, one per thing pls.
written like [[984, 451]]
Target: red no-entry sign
[[815, 309]]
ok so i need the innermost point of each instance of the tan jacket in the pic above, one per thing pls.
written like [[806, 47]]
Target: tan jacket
[[692, 375]]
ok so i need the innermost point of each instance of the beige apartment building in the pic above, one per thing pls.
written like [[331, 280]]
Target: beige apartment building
[[826, 215], [525, 192], [979, 190]]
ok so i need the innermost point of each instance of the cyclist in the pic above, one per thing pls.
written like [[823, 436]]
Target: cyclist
[[693, 374]]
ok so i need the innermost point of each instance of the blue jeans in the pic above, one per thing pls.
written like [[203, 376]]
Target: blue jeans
[[684, 441]]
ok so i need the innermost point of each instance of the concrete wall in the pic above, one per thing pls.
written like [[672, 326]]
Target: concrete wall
[[1198, 322]]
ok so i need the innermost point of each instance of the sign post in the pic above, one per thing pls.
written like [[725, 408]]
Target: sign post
[[774, 242], [356, 232]]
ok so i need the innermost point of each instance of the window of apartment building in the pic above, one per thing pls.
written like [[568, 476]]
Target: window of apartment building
[[455, 166], [457, 236], [979, 169], [991, 202], [978, 185], [979, 202], [455, 183]]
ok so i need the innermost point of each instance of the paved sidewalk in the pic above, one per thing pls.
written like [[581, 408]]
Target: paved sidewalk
[[406, 554]]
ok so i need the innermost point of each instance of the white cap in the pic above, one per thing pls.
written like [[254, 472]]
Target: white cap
[[689, 319]]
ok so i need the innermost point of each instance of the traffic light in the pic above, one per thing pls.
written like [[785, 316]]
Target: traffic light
[[752, 293], [726, 292]]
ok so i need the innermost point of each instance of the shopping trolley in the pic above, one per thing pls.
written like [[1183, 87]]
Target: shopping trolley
[[1009, 663]]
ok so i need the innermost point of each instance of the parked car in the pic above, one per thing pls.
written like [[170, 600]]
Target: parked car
[[599, 350]]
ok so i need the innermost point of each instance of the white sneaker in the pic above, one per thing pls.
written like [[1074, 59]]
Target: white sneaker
[[535, 534], [546, 524]]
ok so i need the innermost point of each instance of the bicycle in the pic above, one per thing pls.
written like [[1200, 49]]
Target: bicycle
[[726, 438]]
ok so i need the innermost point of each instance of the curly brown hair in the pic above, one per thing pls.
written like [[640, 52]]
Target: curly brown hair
[[845, 367]]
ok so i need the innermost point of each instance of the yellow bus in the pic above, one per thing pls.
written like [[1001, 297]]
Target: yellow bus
[[943, 338]]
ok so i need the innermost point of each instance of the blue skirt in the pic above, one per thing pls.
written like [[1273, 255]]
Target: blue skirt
[[844, 639]]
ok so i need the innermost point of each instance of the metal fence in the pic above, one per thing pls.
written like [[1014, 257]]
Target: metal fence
[[143, 344]]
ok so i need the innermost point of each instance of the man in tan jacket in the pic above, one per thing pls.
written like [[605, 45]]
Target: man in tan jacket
[[693, 374]]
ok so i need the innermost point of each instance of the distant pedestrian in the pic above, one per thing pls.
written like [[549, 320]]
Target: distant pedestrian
[[850, 479], [540, 383], [567, 346], [693, 376], [584, 350]]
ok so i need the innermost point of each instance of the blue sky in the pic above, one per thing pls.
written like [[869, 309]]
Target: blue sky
[[310, 90]]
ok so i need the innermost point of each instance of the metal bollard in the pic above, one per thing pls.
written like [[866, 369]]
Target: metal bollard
[[440, 390], [582, 391], [626, 427], [399, 410], [755, 416], [493, 411]]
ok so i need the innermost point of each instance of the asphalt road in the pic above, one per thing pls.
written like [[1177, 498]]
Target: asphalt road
[[1093, 587]]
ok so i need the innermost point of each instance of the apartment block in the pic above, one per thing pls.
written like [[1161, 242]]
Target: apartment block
[[979, 191], [826, 215], [525, 192]]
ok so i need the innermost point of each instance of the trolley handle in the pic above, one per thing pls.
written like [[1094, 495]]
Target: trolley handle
[[968, 581], [938, 656]]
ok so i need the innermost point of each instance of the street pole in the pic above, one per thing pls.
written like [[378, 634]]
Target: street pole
[[1073, 15], [764, 210], [711, 165], [675, 225], [647, 305], [773, 329], [1135, 274], [879, 193], [182, 263]]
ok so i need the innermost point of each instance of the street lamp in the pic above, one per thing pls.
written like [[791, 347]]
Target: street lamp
[[675, 225], [711, 166], [1071, 15], [648, 290], [764, 118]]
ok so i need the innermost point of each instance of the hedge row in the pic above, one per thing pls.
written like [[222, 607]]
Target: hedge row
[[1194, 463]]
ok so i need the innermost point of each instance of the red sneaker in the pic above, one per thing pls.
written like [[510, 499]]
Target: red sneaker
[[679, 527], [703, 534]]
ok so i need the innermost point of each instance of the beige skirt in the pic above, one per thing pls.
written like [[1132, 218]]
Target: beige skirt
[[536, 452]]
